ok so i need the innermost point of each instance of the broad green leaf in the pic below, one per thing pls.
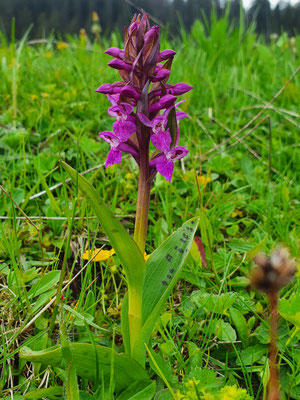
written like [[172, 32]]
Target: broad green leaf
[[163, 394], [224, 331], [240, 324], [206, 378], [252, 354], [141, 390], [45, 392], [128, 252], [125, 324], [46, 282], [163, 266], [213, 303], [126, 369], [162, 272], [289, 309], [72, 391]]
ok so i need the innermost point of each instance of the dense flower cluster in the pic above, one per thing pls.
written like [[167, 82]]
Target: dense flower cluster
[[143, 103]]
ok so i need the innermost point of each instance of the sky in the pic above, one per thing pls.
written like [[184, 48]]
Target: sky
[[273, 3]]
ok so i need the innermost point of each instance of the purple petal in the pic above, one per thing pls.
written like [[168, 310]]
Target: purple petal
[[106, 89], [145, 120], [128, 108], [124, 129], [110, 138], [128, 91], [181, 88], [177, 153], [165, 102], [114, 157], [162, 74], [180, 115], [153, 31], [115, 52], [114, 99], [165, 168], [119, 64], [115, 111], [161, 140], [166, 54]]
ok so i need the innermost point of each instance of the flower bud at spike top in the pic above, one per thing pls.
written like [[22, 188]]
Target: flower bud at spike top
[[115, 52], [165, 55], [162, 74], [181, 88], [119, 64], [143, 90]]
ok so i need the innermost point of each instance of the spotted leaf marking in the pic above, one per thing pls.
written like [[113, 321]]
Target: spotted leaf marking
[[163, 266]]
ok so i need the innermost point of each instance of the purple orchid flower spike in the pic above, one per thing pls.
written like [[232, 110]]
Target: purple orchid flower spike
[[144, 107]]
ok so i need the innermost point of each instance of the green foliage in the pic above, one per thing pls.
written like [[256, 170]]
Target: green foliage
[[125, 370]]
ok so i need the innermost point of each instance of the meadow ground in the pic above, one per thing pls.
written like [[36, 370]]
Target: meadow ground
[[240, 177]]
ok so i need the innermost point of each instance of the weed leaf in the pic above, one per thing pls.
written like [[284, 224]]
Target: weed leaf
[[126, 369]]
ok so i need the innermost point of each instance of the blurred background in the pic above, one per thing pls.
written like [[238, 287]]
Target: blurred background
[[62, 17]]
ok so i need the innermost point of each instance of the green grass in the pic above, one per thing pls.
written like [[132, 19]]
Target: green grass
[[215, 329]]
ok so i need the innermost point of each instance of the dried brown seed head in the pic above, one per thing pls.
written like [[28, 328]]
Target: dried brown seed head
[[273, 273]]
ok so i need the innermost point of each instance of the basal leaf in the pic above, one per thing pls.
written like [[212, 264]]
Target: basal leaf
[[125, 324], [128, 252], [289, 309], [162, 273], [126, 369], [45, 392], [240, 324], [141, 390]]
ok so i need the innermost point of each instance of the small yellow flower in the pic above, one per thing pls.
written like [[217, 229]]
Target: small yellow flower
[[45, 95], [233, 393], [48, 54], [115, 311], [33, 97], [237, 213], [104, 255], [95, 16], [61, 45], [101, 256], [129, 176], [191, 383], [203, 180], [179, 396], [146, 256], [207, 396]]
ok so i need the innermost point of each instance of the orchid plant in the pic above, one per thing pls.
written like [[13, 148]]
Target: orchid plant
[[144, 104], [146, 116]]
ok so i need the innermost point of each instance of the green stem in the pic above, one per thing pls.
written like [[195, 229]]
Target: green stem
[[134, 318]]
